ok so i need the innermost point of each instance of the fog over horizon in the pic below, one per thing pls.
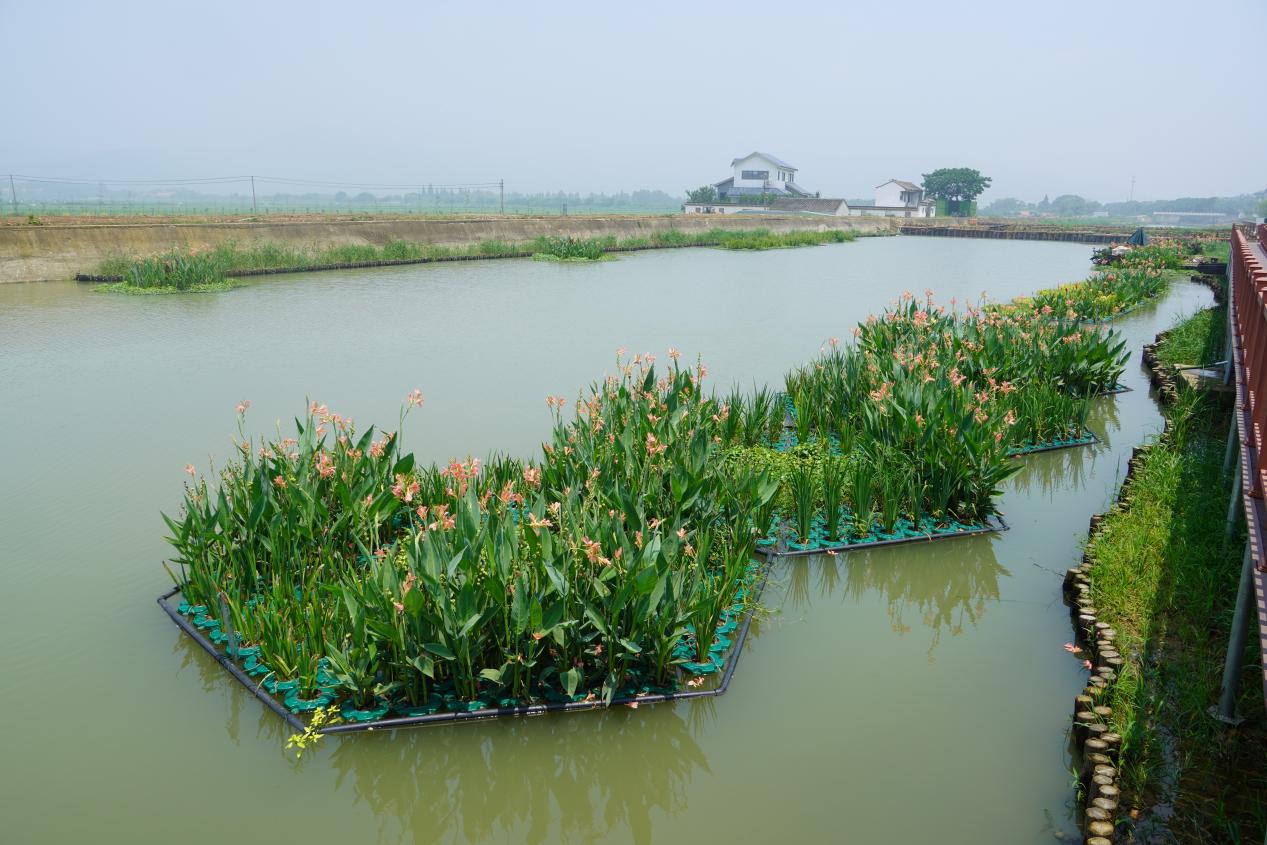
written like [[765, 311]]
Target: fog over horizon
[[1046, 100]]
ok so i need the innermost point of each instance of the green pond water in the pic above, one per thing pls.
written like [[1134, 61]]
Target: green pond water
[[918, 694]]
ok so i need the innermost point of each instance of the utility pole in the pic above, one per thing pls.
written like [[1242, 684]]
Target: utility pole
[[13, 194], [254, 208], [501, 195]]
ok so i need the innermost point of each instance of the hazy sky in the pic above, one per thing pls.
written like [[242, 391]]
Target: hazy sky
[[1047, 98]]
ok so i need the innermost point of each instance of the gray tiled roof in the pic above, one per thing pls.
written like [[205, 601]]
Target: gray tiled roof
[[807, 204], [780, 162], [906, 186], [773, 190]]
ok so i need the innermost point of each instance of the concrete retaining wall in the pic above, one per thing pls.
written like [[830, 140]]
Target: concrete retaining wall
[[39, 253]]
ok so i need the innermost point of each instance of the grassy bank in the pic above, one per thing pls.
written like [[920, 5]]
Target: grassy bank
[[1197, 341], [1166, 580], [185, 271]]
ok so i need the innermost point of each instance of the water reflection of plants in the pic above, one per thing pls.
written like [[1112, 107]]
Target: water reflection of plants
[[947, 591], [1049, 472], [462, 784]]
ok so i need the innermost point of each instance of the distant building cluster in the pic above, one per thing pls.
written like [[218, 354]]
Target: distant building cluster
[[763, 184]]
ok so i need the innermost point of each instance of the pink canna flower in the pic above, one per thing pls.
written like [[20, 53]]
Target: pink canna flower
[[415, 399], [325, 466], [189, 468], [243, 405]]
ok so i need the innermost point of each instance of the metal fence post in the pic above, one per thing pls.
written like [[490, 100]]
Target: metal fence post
[[1236, 643], [1230, 340], [1234, 501], [1231, 444]]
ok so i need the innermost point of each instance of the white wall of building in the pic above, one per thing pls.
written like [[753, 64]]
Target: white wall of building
[[779, 176], [890, 193], [713, 208], [892, 211]]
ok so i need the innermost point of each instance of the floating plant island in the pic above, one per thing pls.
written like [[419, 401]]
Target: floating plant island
[[329, 570]]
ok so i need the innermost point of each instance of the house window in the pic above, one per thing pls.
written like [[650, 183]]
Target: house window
[[755, 174]]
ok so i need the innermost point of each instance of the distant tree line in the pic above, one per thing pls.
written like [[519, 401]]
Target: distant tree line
[[428, 198], [1072, 205]]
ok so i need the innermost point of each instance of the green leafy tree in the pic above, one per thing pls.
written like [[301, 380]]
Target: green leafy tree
[[1262, 208], [704, 193], [956, 186], [1072, 205], [1005, 207]]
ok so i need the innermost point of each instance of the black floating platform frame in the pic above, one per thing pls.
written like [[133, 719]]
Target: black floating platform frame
[[1051, 447], [732, 660], [1115, 390], [992, 525]]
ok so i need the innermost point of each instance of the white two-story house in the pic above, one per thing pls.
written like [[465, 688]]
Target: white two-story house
[[756, 174], [897, 198]]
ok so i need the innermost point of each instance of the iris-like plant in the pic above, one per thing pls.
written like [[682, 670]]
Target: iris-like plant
[[833, 495], [805, 495]]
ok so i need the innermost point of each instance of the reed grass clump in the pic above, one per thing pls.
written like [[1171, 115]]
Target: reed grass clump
[[761, 239], [571, 249], [176, 271]]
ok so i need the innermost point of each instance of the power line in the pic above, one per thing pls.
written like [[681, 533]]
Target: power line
[[69, 181], [398, 186], [211, 180]]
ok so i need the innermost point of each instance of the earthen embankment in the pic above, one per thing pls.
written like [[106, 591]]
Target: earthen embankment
[[55, 250]]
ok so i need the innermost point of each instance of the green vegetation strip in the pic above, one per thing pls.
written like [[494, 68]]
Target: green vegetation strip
[[1165, 578], [212, 270], [1141, 274], [1196, 342]]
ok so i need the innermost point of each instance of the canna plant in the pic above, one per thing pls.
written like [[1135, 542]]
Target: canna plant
[[833, 495], [805, 495], [862, 494]]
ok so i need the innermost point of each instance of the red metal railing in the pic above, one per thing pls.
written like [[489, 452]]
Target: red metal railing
[[1247, 305]]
